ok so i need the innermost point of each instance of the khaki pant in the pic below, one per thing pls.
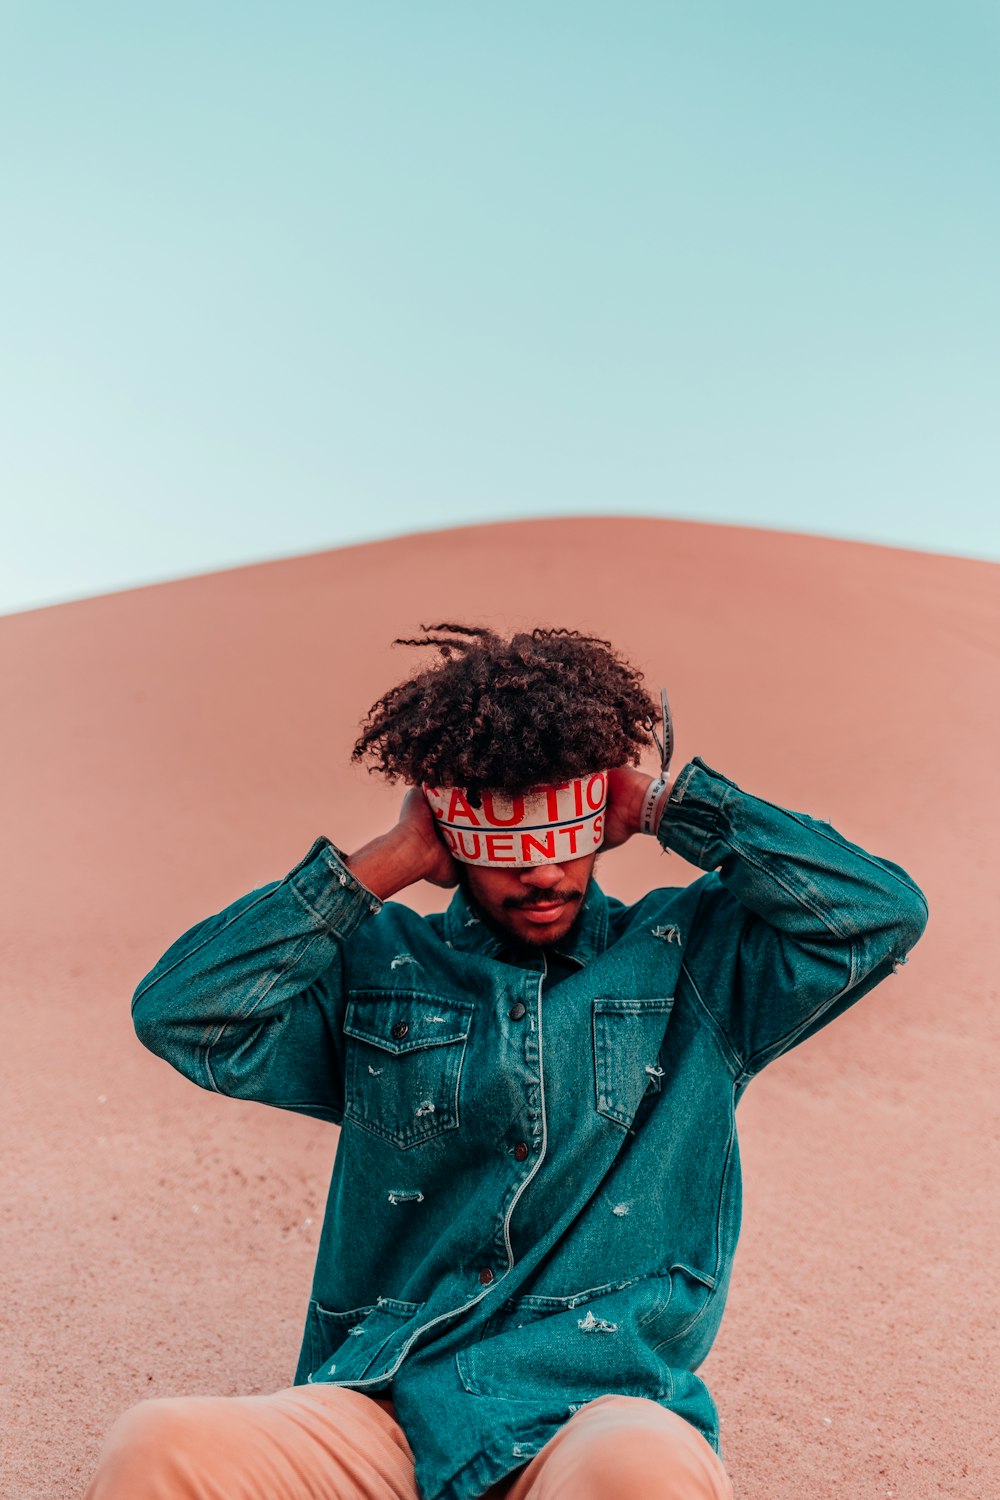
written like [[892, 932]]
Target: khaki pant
[[325, 1442]]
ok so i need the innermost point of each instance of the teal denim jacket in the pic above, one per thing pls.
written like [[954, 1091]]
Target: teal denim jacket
[[536, 1190]]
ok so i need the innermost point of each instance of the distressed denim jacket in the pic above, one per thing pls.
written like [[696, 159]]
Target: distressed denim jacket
[[536, 1190]]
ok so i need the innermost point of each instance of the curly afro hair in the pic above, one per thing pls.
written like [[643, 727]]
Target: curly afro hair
[[508, 715]]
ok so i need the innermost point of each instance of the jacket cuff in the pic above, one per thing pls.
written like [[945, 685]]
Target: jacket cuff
[[690, 824], [333, 892]]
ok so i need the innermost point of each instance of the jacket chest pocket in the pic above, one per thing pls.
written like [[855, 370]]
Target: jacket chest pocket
[[628, 1035], [404, 1064]]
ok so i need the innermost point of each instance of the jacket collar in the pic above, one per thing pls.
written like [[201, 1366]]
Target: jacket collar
[[468, 931]]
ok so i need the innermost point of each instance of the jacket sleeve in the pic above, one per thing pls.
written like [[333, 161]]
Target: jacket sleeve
[[249, 1002], [797, 924]]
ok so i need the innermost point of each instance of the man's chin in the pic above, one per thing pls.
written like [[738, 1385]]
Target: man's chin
[[510, 925], [535, 937]]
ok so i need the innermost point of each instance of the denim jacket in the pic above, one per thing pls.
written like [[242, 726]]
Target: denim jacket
[[536, 1189]]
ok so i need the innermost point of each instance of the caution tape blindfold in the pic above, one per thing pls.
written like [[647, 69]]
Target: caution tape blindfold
[[542, 827]]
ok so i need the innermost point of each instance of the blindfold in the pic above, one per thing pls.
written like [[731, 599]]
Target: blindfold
[[544, 826]]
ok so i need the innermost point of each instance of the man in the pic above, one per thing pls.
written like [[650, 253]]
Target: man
[[536, 1197]]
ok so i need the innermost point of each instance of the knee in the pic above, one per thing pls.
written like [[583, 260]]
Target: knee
[[161, 1422], [142, 1447], [636, 1447]]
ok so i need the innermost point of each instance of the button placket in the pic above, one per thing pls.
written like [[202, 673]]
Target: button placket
[[532, 1062]]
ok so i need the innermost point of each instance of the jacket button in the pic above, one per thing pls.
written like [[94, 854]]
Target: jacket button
[[399, 1030], [486, 1276], [518, 1011], [521, 1151]]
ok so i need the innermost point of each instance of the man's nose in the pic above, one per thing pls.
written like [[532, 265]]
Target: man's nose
[[542, 877]]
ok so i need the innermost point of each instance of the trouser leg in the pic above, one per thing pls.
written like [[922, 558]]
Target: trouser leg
[[624, 1446], [310, 1442]]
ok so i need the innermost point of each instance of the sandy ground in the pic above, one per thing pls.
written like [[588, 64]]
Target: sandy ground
[[165, 749]]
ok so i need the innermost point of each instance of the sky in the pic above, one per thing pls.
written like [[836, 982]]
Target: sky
[[278, 278]]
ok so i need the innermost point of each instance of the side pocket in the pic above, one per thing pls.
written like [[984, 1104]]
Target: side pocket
[[691, 1294], [350, 1343], [582, 1345], [326, 1330]]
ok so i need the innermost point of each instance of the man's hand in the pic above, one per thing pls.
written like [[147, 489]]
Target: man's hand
[[418, 826], [627, 789], [412, 850]]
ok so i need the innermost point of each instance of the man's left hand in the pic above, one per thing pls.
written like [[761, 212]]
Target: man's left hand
[[627, 789]]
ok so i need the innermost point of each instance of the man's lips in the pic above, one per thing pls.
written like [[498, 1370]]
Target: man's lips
[[544, 901], [543, 911]]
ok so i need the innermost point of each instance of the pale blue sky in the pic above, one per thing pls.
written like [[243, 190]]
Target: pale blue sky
[[281, 277]]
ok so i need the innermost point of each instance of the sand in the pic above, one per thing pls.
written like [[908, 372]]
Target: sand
[[165, 749]]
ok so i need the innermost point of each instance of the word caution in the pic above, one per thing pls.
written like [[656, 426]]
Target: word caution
[[544, 826]]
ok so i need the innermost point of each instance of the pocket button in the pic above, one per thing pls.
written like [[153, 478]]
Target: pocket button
[[399, 1030]]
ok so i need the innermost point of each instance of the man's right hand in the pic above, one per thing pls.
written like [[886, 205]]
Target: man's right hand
[[417, 822], [412, 850]]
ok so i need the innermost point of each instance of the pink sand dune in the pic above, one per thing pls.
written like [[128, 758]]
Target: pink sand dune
[[166, 749]]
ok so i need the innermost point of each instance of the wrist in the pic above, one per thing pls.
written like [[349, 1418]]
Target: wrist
[[653, 804], [658, 797], [389, 863]]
